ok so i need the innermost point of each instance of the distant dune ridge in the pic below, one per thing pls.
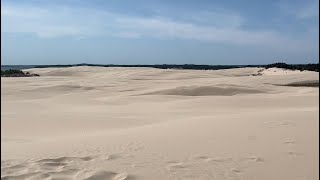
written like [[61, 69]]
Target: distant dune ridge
[[301, 67], [145, 123]]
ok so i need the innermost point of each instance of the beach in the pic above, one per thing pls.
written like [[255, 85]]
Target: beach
[[147, 123]]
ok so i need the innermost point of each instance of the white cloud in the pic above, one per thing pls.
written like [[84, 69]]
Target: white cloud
[[50, 22], [303, 10], [166, 28]]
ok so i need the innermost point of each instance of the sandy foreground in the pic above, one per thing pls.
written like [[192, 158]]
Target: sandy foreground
[[144, 123]]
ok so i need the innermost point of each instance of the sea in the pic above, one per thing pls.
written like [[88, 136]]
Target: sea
[[20, 67]]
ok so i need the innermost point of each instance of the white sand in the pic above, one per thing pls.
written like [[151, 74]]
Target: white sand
[[144, 123], [279, 71]]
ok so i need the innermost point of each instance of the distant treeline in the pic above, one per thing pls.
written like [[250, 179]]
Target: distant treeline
[[160, 66], [11, 71], [16, 73], [309, 67], [301, 67]]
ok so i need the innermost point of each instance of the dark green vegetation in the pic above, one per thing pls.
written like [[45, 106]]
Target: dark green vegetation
[[309, 67], [16, 73], [301, 67], [160, 66]]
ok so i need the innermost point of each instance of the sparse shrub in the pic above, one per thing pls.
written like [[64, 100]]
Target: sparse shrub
[[16, 73]]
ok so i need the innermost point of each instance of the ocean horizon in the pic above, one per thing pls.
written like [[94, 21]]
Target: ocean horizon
[[20, 67]]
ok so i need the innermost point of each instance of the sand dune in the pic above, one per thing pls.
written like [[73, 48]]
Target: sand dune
[[144, 123]]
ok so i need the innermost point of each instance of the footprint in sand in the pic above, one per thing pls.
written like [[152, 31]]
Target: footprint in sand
[[294, 154], [289, 142], [236, 170], [112, 157], [252, 158], [174, 166], [102, 175], [204, 158], [256, 159]]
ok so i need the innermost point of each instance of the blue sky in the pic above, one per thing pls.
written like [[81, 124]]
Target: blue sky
[[158, 32]]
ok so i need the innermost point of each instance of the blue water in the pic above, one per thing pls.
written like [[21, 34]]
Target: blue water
[[20, 67]]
